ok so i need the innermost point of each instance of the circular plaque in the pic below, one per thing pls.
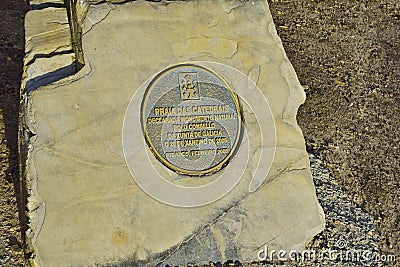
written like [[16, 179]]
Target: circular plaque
[[191, 119]]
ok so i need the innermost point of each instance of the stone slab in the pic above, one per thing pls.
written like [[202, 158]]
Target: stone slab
[[48, 49], [85, 208], [42, 4]]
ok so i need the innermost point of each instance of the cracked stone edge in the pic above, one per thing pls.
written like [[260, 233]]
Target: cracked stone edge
[[65, 60]]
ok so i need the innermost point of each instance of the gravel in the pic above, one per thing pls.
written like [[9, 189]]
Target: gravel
[[349, 239]]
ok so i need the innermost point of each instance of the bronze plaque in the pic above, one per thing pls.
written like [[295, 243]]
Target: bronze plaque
[[191, 119]]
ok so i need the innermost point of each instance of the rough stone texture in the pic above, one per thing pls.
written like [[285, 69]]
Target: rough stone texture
[[49, 55], [84, 206], [39, 4]]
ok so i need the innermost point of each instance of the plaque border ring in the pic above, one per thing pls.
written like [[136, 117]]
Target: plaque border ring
[[149, 141]]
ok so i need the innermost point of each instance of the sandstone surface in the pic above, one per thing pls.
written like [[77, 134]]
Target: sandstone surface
[[84, 206]]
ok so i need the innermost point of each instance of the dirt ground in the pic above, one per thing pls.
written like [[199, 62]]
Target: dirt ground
[[347, 56], [11, 56]]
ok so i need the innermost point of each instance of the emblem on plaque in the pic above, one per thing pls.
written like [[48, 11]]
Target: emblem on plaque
[[189, 85]]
